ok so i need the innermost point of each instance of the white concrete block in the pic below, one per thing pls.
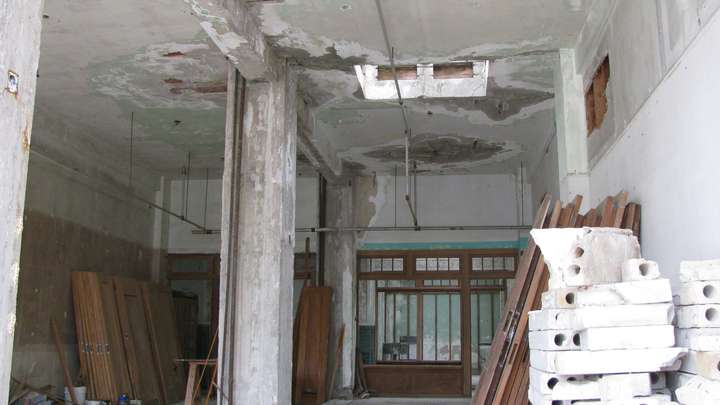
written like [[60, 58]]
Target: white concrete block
[[698, 316], [611, 386], [699, 339], [593, 339], [586, 256], [537, 398], [602, 317], [649, 400], [634, 292], [703, 270], [697, 390], [640, 269], [607, 361], [706, 364], [698, 293]]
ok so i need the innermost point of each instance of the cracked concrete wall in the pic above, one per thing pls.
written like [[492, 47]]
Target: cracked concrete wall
[[665, 154]]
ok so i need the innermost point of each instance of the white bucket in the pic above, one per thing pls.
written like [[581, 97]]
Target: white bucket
[[79, 395]]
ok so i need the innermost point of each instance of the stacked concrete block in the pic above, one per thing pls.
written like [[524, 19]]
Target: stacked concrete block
[[698, 330], [605, 332]]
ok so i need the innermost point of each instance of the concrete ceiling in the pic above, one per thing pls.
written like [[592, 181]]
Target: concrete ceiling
[[483, 135], [102, 60]]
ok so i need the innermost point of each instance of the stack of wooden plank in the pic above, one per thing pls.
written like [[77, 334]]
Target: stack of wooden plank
[[127, 340], [505, 379]]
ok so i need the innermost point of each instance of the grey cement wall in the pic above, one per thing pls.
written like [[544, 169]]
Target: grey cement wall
[[20, 26]]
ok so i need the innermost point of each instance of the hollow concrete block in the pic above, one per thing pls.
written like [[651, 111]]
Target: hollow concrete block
[[698, 316], [602, 317], [702, 270], [706, 364], [607, 361], [697, 390], [698, 293], [585, 256], [633, 292], [639, 270], [699, 339], [560, 387], [593, 339]]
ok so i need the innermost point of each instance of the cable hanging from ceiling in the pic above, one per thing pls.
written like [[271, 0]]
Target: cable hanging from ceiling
[[406, 122]]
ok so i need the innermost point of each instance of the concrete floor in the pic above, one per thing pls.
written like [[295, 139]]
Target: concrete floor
[[402, 401]]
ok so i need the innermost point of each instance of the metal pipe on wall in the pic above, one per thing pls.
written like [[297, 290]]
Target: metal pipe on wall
[[322, 230]]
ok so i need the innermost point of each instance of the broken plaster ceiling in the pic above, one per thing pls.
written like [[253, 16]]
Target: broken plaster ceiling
[[103, 60], [492, 134]]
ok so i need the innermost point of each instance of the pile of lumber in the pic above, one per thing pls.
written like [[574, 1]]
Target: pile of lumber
[[127, 340], [505, 379], [698, 322], [605, 333]]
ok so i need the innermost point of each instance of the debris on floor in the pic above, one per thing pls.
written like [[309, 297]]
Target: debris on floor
[[698, 321], [605, 333]]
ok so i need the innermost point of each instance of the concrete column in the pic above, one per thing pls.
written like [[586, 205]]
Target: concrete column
[[571, 128], [341, 276], [20, 25], [257, 242]]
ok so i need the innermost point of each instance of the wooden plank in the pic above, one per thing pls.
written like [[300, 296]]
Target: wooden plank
[[159, 310], [621, 201], [63, 362], [500, 343], [138, 347], [313, 340]]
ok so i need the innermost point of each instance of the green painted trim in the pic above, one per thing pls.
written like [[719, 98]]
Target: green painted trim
[[509, 244]]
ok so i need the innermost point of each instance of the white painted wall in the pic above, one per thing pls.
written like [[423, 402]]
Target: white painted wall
[[666, 157], [180, 236], [449, 200]]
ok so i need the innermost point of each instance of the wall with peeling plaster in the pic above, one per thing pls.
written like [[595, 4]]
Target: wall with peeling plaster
[[666, 157]]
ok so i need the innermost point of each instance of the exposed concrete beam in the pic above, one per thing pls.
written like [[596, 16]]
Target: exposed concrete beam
[[234, 30], [20, 26], [325, 162]]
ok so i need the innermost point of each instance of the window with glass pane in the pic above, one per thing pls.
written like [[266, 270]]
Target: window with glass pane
[[493, 263], [381, 265], [425, 264], [485, 310], [441, 327], [397, 326]]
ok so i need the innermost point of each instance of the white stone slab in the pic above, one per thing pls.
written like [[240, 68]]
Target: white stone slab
[[703, 270], [697, 390], [650, 400], [593, 339], [698, 293], [698, 316], [607, 361], [640, 269], [706, 364], [601, 317], [611, 386], [699, 339], [629, 293], [586, 256]]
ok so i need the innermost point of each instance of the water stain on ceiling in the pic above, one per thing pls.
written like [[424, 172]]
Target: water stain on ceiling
[[441, 149]]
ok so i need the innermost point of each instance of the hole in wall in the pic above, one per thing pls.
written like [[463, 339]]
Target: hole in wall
[[654, 378], [570, 298], [644, 269], [552, 382], [579, 252], [559, 340], [574, 270], [576, 339]]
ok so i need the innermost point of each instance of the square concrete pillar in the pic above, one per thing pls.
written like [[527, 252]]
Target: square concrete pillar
[[340, 252], [258, 238], [20, 25]]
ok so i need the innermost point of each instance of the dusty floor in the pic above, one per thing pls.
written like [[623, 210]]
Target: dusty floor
[[402, 401]]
